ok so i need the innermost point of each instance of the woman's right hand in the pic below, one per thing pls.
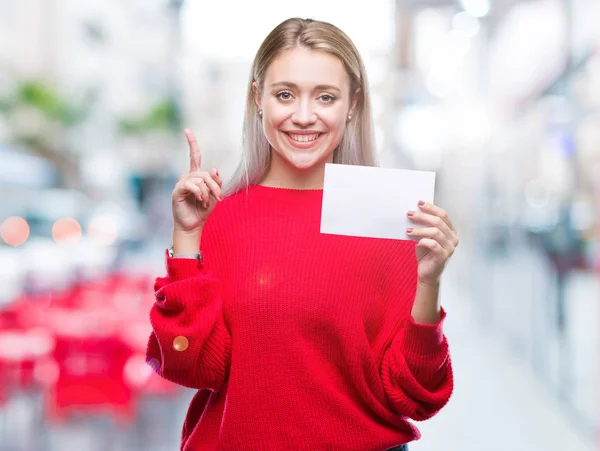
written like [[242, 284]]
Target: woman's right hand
[[195, 194]]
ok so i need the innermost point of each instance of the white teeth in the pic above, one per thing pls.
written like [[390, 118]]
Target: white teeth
[[304, 138]]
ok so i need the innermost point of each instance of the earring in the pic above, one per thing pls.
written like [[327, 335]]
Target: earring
[[260, 113], [349, 117]]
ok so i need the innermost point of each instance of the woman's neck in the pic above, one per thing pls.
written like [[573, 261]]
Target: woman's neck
[[282, 175]]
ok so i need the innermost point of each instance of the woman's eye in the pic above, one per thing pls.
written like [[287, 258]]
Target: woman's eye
[[284, 95], [327, 98]]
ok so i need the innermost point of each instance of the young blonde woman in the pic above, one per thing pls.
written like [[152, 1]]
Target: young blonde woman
[[298, 340]]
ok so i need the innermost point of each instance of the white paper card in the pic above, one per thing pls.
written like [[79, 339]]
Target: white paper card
[[372, 202]]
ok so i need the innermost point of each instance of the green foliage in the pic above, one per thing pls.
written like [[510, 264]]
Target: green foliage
[[43, 97], [164, 115]]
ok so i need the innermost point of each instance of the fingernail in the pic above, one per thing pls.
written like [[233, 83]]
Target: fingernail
[[217, 172], [410, 213], [409, 230], [421, 203]]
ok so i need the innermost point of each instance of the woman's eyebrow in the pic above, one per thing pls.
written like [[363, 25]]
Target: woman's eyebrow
[[288, 84]]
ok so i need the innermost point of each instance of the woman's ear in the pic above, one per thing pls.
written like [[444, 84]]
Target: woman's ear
[[256, 90], [354, 101]]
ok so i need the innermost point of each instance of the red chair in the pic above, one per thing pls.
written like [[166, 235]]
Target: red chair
[[91, 359]]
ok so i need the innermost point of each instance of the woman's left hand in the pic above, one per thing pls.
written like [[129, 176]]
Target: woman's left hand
[[436, 241]]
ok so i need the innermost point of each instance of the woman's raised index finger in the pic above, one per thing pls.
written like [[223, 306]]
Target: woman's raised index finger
[[195, 156]]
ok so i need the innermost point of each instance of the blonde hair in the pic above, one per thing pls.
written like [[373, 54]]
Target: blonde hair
[[357, 144]]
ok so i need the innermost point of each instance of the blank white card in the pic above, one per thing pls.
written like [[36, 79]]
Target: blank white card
[[372, 202]]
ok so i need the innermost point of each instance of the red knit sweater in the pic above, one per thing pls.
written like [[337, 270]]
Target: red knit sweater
[[296, 340]]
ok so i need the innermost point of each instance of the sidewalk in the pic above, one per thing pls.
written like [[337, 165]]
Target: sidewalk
[[497, 402]]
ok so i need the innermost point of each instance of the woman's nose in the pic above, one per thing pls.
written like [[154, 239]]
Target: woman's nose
[[304, 114]]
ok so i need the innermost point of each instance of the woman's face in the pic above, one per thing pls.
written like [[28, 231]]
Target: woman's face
[[305, 102]]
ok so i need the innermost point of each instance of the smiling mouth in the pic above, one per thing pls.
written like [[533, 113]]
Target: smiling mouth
[[304, 138]]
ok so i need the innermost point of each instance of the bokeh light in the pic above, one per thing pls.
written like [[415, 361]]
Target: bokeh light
[[136, 371], [476, 8], [14, 231], [102, 231], [66, 230]]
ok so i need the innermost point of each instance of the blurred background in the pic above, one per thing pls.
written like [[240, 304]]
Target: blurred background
[[500, 97]]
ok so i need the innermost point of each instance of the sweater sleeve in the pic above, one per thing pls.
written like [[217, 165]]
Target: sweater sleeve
[[416, 369], [190, 344]]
